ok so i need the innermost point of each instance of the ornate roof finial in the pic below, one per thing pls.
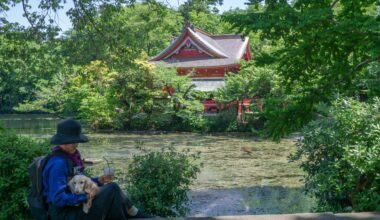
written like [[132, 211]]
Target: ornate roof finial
[[189, 25], [192, 27]]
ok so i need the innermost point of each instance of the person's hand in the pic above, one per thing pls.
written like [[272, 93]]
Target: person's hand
[[106, 179]]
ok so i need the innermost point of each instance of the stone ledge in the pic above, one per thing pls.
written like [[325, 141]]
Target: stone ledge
[[300, 216]]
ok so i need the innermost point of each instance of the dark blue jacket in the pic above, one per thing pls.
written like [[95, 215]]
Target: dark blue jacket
[[55, 179]]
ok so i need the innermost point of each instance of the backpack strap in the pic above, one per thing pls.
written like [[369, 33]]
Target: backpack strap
[[70, 164]]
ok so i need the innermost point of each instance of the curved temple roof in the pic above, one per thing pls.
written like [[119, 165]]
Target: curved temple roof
[[220, 50]]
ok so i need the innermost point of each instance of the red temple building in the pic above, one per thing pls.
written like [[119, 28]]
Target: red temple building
[[209, 56]]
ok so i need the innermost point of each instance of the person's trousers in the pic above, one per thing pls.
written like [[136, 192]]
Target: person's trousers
[[109, 204]]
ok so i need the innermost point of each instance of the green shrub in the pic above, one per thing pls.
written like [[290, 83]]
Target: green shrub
[[153, 121], [251, 82], [341, 157], [16, 153], [161, 121], [98, 112], [140, 121], [190, 121], [223, 121], [188, 115], [158, 181]]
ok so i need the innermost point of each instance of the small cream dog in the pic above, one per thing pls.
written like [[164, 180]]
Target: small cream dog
[[80, 184]]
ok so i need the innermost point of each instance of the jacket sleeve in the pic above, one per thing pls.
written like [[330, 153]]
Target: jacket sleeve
[[58, 185]]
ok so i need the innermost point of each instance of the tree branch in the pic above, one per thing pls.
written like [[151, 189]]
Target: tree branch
[[365, 62], [334, 3], [26, 13], [81, 10], [357, 67]]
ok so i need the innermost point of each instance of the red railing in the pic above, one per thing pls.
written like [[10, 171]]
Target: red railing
[[212, 106]]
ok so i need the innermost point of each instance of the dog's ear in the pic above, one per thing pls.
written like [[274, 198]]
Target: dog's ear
[[87, 184], [95, 187], [71, 184]]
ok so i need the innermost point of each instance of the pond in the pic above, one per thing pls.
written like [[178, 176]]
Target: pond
[[241, 175]]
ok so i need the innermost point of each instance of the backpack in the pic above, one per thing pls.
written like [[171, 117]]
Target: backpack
[[37, 203]]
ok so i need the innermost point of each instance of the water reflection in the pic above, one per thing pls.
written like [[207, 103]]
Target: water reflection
[[29, 124]]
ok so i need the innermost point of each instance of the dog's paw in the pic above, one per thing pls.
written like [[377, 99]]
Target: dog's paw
[[86, 208]]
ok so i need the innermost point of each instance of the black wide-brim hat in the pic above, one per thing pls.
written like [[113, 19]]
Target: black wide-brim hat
[[69, 131]]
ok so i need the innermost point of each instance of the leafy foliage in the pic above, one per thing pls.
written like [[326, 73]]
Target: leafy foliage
[[170, 110], [111, 33], [16, 153], [250, 82], [103, 76], [340, 155], [259, 84], [211, 22], [199, 6], [370, 83], [319, 51], [66, 91], [119, 35], [98, 111], [159, 181], [39, 14], [225, 121], [23, 62]]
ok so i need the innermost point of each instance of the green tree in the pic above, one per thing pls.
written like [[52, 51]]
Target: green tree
[[71, 93], [198, 6], [119, 35], [369, 84], [250, 82], [260, 84], [210, 22], [39, 14], [23, 61], [172, 105], [321, 49], [340, 154]]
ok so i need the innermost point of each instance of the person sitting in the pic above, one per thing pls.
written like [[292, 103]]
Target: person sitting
[[109, 203]]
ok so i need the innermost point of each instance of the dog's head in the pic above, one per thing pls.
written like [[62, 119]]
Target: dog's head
[[79, 183]]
